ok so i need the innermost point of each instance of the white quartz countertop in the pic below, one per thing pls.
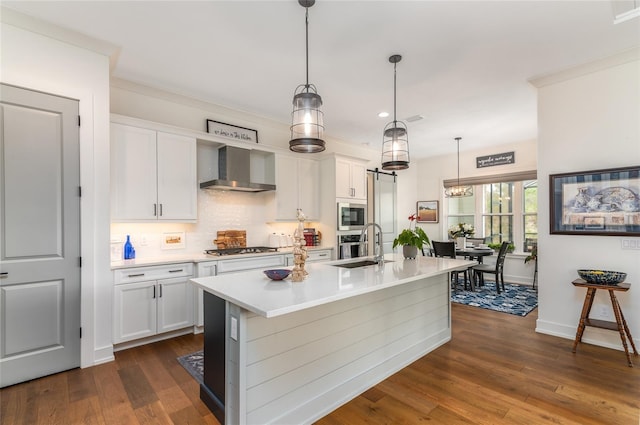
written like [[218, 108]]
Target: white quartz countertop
[[198, 258], [325, 283]]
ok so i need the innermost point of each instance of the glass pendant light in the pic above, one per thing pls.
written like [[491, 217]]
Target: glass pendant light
[[458, 191], [307, 119], [395, 141]]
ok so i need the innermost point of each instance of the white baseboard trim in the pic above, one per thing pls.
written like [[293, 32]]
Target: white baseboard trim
[[601, 337], [155, 338], [103, 355]]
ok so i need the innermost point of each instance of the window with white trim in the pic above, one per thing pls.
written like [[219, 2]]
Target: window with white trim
[[500, 211]]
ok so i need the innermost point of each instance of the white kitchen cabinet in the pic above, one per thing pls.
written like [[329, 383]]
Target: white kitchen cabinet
[[203, 269], [351, 179], [152, 300], [153, 175], [314, 256], [257, 262], [135, 311], [297, 186], [231, 265]]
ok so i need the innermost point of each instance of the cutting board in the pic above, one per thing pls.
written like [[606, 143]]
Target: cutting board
[[231, 239]]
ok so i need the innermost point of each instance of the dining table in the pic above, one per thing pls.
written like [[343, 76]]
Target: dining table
[[474, 253]]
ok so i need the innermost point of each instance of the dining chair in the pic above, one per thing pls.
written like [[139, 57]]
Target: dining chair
[[448, 250], [497, 269]]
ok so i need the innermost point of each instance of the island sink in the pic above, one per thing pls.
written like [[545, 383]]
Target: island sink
[[357, 264]]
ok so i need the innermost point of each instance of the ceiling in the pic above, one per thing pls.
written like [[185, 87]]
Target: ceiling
[[465, 66]]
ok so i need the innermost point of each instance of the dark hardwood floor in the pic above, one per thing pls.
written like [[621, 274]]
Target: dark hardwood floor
[[496, 370]]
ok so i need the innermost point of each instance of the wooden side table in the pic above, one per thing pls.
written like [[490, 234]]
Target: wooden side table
[[619, 325]]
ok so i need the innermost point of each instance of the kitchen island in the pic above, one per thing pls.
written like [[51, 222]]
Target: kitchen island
[[293, 352]]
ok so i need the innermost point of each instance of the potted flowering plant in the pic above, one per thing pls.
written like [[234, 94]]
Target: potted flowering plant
[[411, 239], [460, 232]]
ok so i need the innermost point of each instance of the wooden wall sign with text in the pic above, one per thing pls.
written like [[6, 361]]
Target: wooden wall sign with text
[[495, 159]]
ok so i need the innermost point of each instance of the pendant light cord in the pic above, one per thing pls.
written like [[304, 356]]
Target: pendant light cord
[[306, 24], [458, 140], [394, 95]]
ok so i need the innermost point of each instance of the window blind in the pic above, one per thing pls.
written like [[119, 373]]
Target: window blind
[[494, 178]]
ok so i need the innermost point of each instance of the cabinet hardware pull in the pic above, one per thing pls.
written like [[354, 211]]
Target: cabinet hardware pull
[[160, 291], [175, 271], [154, 291], [322, 255], [136, 275], [4, 274], [155, 210], [160, 210]]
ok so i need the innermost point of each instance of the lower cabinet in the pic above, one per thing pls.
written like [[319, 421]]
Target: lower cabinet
[[150, 301], [314, 256], [203, 269]]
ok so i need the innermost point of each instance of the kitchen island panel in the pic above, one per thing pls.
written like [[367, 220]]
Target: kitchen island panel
[[369, 338], [261, 328], [298, 345]]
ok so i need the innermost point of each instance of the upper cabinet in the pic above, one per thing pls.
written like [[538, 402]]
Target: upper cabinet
[[153, 175], [297, 186], [351, 179]]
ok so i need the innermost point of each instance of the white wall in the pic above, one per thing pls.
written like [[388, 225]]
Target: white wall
[[589, 119], [42, 63], [433, 171], [138, 101]]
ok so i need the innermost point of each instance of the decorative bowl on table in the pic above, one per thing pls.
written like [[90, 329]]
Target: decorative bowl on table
[[602, 277], [277, 274]]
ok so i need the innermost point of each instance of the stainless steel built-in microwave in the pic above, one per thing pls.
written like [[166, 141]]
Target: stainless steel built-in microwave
[[351, 216]]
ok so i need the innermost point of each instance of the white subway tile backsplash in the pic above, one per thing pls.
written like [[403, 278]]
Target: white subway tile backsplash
[[217, 210]]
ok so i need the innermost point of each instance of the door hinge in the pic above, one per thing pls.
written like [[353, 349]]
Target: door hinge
[[80, 261], [78, 120], [80, 332], [80, 191]]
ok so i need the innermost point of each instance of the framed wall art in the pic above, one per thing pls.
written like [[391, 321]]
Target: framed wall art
[[427, 211], [173, 240], [230, 131], [600, 202]]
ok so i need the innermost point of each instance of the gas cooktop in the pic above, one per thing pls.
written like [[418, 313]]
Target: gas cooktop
[[240, 250]]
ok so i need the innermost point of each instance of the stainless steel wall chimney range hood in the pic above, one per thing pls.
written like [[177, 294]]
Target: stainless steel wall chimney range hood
[[234, 172]]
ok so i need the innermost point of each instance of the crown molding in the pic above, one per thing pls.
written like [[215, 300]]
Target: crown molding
[[29, 23], [621, 58]]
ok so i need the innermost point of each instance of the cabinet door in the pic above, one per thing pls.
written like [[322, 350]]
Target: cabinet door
[[286, 188], [208, 268], [343, 179], [133, 173], [134, 310], [177, 177], [318, 256], [175, 304], [309, 188], [359, 180]]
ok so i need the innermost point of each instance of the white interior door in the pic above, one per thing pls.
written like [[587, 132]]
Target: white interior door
[[39, 235]]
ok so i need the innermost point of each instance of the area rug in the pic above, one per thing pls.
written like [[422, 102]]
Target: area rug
[[194, 363], [515, 299]]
